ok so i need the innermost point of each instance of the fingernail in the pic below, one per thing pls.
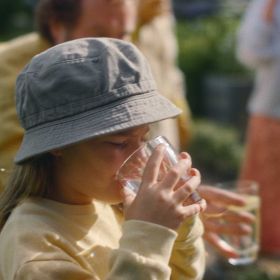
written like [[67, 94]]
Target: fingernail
[[192, 172], [161, 147]]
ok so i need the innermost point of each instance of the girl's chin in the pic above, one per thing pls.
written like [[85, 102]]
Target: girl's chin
[[117, 197], [116, 200]]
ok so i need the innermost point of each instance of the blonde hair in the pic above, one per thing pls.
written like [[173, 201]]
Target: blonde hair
[[32, 178]]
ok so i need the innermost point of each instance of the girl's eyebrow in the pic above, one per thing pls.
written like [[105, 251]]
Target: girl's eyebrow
[[130, 132]]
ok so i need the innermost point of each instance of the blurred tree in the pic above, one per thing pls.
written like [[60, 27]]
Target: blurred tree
[[15, 18]]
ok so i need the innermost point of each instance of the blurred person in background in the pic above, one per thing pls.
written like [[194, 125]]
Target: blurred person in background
[[155, 36], [63, 20], [259, 49], [57, 21]]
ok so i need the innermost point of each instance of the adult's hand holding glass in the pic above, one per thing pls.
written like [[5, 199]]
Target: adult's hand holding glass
[[217, 220], [233, 231], [156, 189]]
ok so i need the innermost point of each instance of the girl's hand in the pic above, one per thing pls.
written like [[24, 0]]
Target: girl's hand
[[162, 202]]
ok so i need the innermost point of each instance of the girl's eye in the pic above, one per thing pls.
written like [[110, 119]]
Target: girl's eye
[[119, 145]]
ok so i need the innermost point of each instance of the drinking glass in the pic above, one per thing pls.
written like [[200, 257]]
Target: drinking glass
[[131, 171], [245, 246]]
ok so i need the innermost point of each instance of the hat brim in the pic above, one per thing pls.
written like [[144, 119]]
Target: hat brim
[[120, 115]]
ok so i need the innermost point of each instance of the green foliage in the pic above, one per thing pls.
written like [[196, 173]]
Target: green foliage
[[195, 49], [216, 149], [15, 18], [207, 45]]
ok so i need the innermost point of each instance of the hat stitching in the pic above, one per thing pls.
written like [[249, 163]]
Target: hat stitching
[[89, 111], [138, 88], [68, 61], [139, 120]]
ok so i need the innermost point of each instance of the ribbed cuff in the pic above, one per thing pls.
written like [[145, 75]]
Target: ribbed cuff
[[191, 229]]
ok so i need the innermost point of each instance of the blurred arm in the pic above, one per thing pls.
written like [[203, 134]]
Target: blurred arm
[[258, 38]]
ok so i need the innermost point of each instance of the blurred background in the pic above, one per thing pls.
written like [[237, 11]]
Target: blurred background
[[218, 88]]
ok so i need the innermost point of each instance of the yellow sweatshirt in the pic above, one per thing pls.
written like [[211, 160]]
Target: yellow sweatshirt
[[47, 240]]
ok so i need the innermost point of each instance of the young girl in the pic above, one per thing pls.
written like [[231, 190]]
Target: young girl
[[86, 106]]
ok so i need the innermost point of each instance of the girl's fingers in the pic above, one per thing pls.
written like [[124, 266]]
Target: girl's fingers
[[185, 155], [176, 174], [151, 170], [183, 192], [189, 210], [203, 204]]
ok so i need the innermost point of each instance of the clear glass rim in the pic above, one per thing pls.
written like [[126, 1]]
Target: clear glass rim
[[138, 149]]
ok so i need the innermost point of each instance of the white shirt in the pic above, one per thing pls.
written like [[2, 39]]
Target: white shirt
[[259, 48]]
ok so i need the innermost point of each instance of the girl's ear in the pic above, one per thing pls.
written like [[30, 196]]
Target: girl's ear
[[56, 153]]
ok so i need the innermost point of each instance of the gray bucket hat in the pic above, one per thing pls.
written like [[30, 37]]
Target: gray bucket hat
[[82, 89]]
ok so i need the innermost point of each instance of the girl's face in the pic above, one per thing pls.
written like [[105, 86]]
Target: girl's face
[[86, 171]]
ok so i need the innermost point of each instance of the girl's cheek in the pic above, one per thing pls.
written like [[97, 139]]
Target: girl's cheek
[[120, 155], [115, 160]]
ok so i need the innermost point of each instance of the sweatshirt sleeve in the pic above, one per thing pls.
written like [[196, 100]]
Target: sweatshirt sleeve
[[188, 257], [144, 252], [53, 269], [258, 41], [147, 251]]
